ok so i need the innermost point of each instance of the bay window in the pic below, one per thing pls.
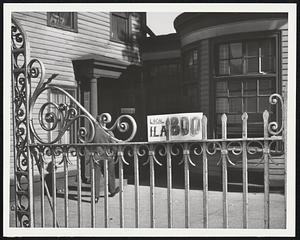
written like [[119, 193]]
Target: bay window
[[245, 77], [190, 85]]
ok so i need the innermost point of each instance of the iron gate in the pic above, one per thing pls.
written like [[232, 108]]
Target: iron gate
[[32, 150]]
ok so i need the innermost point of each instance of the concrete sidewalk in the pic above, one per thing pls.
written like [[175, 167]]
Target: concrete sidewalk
[[256, 209]]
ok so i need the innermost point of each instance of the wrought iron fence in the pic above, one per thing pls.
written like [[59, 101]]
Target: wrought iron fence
[[32, 149]]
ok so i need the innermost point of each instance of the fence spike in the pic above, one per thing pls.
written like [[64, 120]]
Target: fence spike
[[244, 119], [224, 126], [266, 122]]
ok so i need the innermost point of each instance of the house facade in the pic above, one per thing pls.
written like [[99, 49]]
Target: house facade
[[224, 63], [215, 63], [95, 55]]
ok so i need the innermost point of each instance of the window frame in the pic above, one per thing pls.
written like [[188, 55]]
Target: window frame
[[191, 82], [74, 16], [214, 43], [128, 38]]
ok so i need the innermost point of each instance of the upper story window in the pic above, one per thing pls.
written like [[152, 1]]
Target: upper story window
[[190, 65], [190, 86], [63, 20], [120, 26], [246, 57]]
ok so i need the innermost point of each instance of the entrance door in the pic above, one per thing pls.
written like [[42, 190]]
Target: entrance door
[[123, 96], [108, 97]]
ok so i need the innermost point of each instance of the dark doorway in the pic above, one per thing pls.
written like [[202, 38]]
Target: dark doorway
[[108, 97]]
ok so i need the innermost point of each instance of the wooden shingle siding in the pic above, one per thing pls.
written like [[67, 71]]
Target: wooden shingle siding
[[56, 48]]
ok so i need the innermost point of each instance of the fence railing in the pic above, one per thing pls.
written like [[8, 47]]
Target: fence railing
[[32, 149], [156, 153]]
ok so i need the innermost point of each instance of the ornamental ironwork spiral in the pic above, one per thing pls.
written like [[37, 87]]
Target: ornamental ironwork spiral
[[20, 92], [273, 127], [61, 116]]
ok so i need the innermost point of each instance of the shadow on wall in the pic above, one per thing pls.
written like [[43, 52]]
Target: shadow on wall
[[131, 51]]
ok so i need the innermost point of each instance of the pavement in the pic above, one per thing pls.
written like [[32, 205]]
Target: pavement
[[235, 209]]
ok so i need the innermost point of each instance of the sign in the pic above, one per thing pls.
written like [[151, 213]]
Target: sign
[[128, 110], [168, 127]]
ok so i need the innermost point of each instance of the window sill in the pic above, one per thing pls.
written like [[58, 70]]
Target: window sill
[[246, 76], [64, 28], [122, 42]]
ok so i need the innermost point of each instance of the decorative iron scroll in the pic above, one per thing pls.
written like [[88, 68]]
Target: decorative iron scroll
[[29, 145], [67, 114], [273, 127], [20, 93], [26, 131]]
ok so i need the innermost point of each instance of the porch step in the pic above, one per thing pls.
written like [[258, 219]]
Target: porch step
[[60, 183]]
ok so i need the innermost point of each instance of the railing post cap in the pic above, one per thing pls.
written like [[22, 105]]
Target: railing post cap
[[245, 116]]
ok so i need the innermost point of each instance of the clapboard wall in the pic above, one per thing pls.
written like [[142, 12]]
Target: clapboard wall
[[56, 48]]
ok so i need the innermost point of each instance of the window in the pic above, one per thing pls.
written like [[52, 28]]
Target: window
[[63, 20], [190, 65], [246, 57], [163, 87], [245, 78], [190, 90], [58, 97], [120, 27]]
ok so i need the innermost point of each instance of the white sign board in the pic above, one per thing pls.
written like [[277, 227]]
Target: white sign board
[[169, 127]]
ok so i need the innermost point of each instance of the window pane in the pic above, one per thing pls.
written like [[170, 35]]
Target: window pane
[[234, 119], [250, 87], [62, 19], [235, 87], [265, 86], [195, 56], [195, 73], [223, 51], [119, 28], [235, 105], [250, 104], [252, 65], [264, 104], [236, 66], [252, 49], [268, 64], [191, 65], [255, 117], [222, 105], [66, 19], [190, 60], [268, 47], [221, 89], [235, 50], [223, 67]]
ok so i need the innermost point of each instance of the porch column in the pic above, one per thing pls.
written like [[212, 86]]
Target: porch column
[[94, 97], [93, 108]]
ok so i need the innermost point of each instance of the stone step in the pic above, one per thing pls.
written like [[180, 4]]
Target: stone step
[[60, 184]]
